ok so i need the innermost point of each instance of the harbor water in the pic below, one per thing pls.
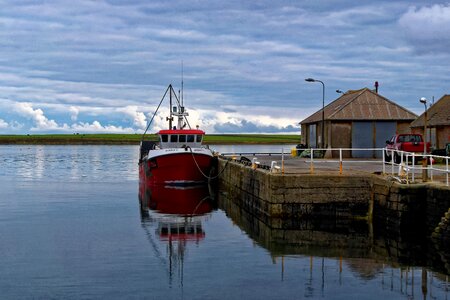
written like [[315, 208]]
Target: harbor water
[[72, 227]]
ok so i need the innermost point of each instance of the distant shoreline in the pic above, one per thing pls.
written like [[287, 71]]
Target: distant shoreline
[[134, 139]]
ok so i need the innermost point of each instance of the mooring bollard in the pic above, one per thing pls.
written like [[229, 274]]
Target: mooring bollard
[[274, 168], [255, 163]]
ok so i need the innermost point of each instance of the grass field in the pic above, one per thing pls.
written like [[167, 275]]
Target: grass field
[[131, 139]]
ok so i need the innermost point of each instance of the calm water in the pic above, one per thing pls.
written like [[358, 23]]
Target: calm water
[[71, 228]]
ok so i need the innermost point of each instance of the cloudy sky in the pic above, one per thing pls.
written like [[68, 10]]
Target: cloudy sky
[[103, 65]]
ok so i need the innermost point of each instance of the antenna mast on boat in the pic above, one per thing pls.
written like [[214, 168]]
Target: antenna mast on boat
[[182, 85], [170, 103]]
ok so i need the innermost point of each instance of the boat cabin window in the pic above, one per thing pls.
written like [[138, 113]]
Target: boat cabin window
[[169, 140]]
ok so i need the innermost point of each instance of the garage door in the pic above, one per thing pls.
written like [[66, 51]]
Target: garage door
[[362, 137]]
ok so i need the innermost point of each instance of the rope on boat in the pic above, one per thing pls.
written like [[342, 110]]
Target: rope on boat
[[198, 167]]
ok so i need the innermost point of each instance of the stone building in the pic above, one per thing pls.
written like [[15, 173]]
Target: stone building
[[358, 119], [438, 123]]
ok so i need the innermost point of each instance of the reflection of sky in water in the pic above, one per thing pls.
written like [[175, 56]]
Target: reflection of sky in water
[[73, 230], [40, 161], [89, 162], [71, 162]]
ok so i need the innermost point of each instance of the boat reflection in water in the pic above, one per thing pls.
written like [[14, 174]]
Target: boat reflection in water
[[172, 218]]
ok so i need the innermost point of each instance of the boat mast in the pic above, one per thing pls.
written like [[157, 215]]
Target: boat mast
[[170, 101], [182, 84]]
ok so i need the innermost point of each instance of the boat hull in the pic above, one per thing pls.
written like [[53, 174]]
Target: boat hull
[[174, 167]]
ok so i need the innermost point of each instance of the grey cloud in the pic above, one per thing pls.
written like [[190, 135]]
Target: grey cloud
[[428, 28], [112, 54]]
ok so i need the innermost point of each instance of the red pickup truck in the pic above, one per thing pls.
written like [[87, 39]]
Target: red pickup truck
[[410, 142]]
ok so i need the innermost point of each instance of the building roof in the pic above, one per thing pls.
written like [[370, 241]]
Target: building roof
[[437, 115], [363, 104]]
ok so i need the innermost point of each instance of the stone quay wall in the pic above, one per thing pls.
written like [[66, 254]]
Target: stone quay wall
[[410, 208], [284, 196], [415, 209]]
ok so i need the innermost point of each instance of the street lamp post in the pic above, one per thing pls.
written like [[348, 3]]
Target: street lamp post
[[425, 160], [323, 109]]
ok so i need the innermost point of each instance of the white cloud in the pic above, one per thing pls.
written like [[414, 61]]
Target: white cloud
[[96, 127], [37, 115], [138, 117], [184, 34], [74, 113], [212, 121], [3, 124], [43, 124]]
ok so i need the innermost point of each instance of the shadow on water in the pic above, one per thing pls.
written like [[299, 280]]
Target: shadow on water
[[172, 218]]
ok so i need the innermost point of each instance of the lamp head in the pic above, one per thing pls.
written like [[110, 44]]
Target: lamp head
[[423, 100], [310, 80]]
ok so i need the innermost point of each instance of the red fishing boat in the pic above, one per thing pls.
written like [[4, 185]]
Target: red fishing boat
[[178, 157]]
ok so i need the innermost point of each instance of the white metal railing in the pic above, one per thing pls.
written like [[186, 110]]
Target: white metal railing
[[341, 160], [406, 163], [399, 164], [401, 161]]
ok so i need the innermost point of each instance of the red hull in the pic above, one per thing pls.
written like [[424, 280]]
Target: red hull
[[175, 169]]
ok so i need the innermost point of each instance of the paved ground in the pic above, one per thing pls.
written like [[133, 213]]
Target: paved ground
[[303, 165], [297, 165]]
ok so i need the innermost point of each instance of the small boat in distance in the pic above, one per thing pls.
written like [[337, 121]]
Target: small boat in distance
[[178, 157]]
